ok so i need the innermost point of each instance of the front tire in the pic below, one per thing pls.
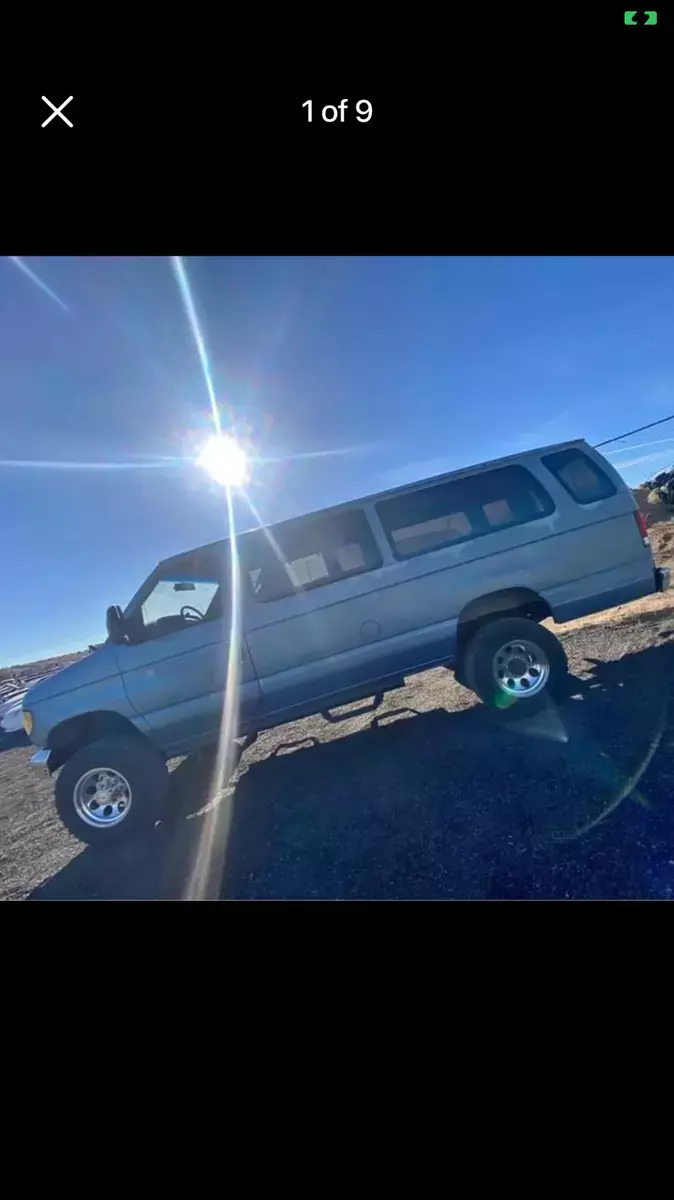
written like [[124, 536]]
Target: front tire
[[112, 790], [513, 665]]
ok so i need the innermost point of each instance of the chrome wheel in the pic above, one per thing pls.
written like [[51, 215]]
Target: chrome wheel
[[520, 669], [102, 797]]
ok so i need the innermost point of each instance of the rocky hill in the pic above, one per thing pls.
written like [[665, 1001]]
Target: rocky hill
[[660, 522]]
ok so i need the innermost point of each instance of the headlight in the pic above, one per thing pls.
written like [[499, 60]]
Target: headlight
[[28, 722]]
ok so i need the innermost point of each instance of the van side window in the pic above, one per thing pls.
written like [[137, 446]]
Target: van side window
[[182, 592], [309, 553], [459, 510], [582, 478]]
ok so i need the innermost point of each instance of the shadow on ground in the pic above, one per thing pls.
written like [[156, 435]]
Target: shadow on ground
[[431, 805]]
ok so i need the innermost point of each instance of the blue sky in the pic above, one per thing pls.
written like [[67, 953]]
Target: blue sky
[[346, 375]]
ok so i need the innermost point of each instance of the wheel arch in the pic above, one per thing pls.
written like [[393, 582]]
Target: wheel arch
[[507, 602], [71, 735]]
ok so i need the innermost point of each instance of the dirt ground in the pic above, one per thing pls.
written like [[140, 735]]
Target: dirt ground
[[433, 797]]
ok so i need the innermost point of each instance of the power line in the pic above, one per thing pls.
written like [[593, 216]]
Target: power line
[[639, 430]]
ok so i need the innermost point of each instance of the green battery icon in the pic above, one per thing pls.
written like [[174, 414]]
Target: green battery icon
[[641, 18]]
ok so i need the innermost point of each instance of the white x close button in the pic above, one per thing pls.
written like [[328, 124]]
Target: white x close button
[[57, 112]]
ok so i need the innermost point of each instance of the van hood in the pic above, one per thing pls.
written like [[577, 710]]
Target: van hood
[[99, 665]]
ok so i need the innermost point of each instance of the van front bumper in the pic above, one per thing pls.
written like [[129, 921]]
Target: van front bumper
[[41, 759], [661, 579]]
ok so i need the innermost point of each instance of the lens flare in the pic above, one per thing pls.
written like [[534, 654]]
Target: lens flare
[[205, 875], [225, 461]]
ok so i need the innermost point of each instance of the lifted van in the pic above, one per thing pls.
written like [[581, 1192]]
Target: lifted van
[[336, 606]]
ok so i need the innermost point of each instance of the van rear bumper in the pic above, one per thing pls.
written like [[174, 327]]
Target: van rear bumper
[[661, 579]]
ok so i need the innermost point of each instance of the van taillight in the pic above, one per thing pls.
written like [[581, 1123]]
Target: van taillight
[[643, 528]]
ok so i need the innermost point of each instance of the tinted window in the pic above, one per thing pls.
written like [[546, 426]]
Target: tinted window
[[582, 478], [462, 509], [307, 554]]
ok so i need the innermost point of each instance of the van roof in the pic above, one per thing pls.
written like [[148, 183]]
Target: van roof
[[374, 497]]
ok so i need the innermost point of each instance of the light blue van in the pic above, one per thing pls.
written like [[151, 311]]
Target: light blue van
[[336, 606]]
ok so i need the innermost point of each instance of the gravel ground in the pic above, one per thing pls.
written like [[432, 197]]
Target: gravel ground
[[437, 800]]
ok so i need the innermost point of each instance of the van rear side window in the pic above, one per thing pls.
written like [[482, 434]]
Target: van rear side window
[[460, 510], [310, 553], [582, 478]]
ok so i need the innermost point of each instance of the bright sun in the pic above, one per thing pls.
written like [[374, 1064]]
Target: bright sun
[[225, 461]]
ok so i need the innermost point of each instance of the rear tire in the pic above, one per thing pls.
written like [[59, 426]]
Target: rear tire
[[112, 790], [513, 665]]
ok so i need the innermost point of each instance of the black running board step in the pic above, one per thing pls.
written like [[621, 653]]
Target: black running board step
[[335, 718]]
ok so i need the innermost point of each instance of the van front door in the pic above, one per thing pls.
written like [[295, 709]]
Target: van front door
[[175, 668]]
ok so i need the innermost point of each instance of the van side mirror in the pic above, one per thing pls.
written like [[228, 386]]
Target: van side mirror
[[114, 623]]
